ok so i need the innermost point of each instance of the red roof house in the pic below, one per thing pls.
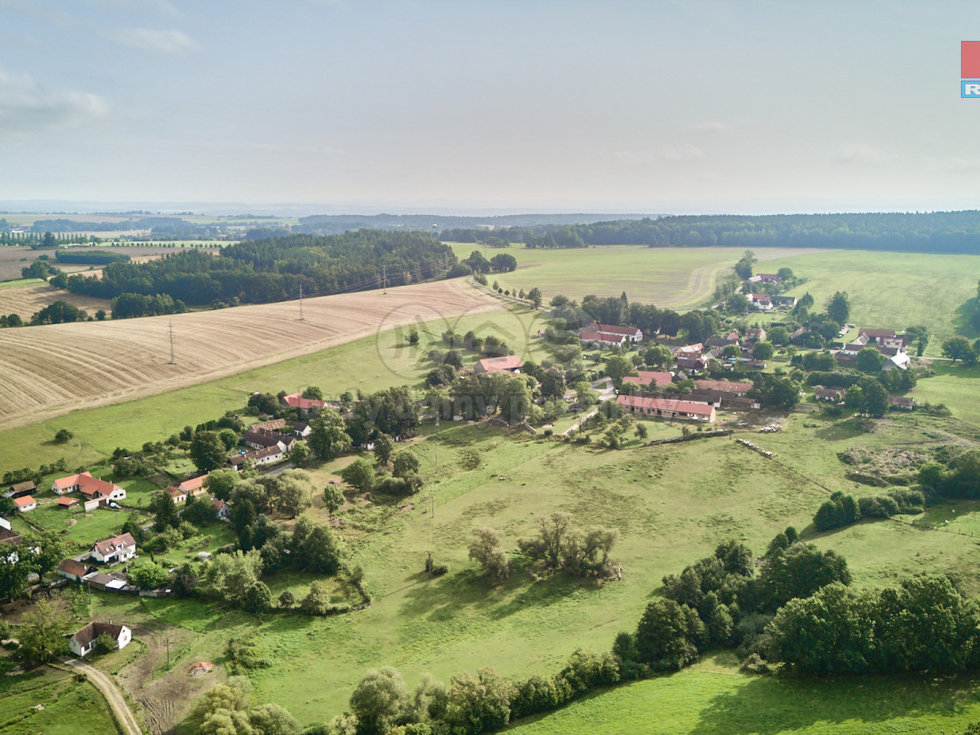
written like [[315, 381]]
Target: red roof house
[[645, 377], [667, 408], [508, 363]]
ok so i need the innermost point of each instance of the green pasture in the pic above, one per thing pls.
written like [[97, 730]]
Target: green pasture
[[367, 364], [956, 386], [713, 698], [68, 706], [20, 283]]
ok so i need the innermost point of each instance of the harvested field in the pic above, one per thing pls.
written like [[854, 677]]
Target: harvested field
[[28, 299], [50, 370]]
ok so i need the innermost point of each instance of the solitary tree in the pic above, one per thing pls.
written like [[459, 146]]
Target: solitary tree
[[488, 552], [207, 451], [359, 474], [839, 307]]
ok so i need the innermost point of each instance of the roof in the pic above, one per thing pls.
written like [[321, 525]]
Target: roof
[[613, 329], [724, 386], [218, 504], [646, 377], [90, 632], [263, 437], [901, 401], [116, 542], [689, 350], [876, 333], [89, 485], [296, 400], [494, 364], [175, 492], [194, 483], [70, 566], [67, 501], [26, 486], [262, 453], [666, 404], [600, 337], [24, 501], [9, 537], [268, 425]]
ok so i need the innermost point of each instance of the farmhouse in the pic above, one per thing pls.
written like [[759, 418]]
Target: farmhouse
[[262, 438], [646, 377], [117, 548], [91, 487], [905, 403], [176, 494], [875, 335], [507, 363], [755, 335], [667, 408], [305, 405], [83, 641], [765, 278], [690, 351], [761, 301], [789, 301], [271, 425], [633, 334], [603, 340], [221, 510], [21, 489], [76, 571], [25, 503], [268, 455], [194, 487], [834, 395]]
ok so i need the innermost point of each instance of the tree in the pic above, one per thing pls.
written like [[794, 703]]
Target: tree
[[42, 635], [359, 474], [546, 546], [379, 700], [333, 498], [328, 435], [383, 447], [148, 575], [294, 492], [257, 598], [737, 303], [618, 367], [487, 551], [317, 600], [762, 351], [477, 705], [413, 336], [958, 348], [164, 512], [207, 451], [286, 599], [663, 636], [313, 391], [875, 402], [318, 552], [299, 453], [221, 483], [839, 307], [405, 464], [869, 360], [535, 297], [63, 436], [503, 262], [799, 571], [658, 356]]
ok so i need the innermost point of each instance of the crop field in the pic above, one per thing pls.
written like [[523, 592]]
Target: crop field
[[32, 295], [679, 278], [50, 370], [13, 258]]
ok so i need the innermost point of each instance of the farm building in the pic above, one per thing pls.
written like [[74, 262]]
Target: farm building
[[603, 340], [905, 403], [507, 363], [83, 640], [194, 487], [76, 571], [268, 455], [305, 405], [724, 386], [67, 502], [21, 489], [633, 334], [667, 408], [92, 487], [176, 494], [25, 503], [645, 377], [11, 538], [117, 548], [835, 395]]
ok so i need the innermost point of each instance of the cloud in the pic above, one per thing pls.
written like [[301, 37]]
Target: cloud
[[683, 152], [167, 42], [25, 105], [861, 153], [710, 127]]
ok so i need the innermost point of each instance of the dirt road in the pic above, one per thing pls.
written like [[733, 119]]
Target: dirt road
[[120, 709]]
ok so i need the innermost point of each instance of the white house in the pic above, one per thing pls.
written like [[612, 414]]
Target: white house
[[25, 504], [118, 548], [90, 487], [83, 641]]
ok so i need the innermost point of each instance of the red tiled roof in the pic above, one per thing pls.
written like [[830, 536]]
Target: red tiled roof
[[175, 492], [296, 400], [646, 377], [67, 501], [116, 542], [194, 483], [613, 329], [495, 364], [89, 485], [666, 404], [24, 500]]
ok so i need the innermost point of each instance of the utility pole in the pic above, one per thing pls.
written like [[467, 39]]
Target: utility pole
[[301, 303], [173, 359]]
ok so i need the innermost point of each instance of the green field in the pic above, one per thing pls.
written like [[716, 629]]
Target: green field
[[21, 282], [712, 698], [69, 708]]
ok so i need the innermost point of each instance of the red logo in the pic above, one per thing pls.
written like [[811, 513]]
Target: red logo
[[970, 59]]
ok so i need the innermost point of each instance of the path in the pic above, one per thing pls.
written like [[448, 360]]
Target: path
[[606, 391], [120, 709]]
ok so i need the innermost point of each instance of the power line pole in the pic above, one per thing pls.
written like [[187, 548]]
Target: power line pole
[[173, 359]]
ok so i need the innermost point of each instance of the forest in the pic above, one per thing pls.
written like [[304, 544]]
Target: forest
[[276, 269], [945, 232]]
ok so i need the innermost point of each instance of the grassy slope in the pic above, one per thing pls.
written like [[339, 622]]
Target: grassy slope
[[367, 364]]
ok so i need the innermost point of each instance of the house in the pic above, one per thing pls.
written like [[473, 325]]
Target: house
[[905, 403], [689, 351], [646, 377], [76, 571], [91, 487], [507, 363], [765, 278], [874, 335], [67, 502], [117, 548], [102, 581], [301, 429], [4, 523], [667, 408], [305, 405], [633, 334], [755, 335], [221, 510], [83, 641], [25, 503], [11, 538], [603, 340], [834, 395], [761, 301], [194, 487], [268, 455], [271, 425], [262, 438], [21, 489], [176, 494], [789, 301], [724, 386]]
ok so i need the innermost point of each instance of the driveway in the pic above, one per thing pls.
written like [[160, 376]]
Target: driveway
[[120, 709]]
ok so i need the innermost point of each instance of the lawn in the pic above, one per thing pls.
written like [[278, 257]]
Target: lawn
[[712, 698], [367, 364]]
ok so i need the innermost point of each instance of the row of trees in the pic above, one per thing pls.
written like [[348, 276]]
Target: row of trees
[[843, 510]]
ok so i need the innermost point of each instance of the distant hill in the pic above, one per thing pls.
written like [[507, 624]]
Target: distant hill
[[325, 224]]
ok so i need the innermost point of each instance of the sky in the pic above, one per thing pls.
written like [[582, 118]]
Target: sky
[[505, 105]]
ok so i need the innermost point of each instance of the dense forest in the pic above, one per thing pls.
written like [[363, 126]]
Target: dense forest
[[946, 232], [275, 269]]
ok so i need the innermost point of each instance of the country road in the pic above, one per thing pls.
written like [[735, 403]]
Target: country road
[[120, 709]]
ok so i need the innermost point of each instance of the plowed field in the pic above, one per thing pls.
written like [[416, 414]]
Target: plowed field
[[50, 370]]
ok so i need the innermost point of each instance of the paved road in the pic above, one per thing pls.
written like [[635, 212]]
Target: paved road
[[120, 709]]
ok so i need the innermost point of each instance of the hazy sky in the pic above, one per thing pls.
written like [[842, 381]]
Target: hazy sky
[[527, 104]]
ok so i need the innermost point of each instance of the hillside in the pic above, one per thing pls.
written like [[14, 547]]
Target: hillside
[[50, 370]]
